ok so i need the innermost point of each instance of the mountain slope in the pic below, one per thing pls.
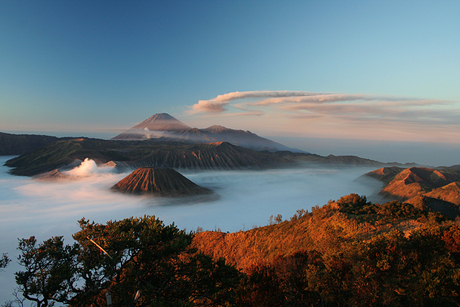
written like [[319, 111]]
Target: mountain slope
[[325, 229], [17, 144], [243, 138], [162, 122], [219, 155], [347, 253], [385, 174], [415, 180], [165, 127], [136, 154], [158, 181], [158, 122], [425, 188], [178, 155]]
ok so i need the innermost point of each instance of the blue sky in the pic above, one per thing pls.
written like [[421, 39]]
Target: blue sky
[[99, 67]]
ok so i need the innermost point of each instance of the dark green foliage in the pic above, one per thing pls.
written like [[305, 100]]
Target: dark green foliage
[[49, 270], [4, 260], [397, 209], [338, 263], [143, 256], [358, 205], [282, 283], [355, 204], [389, 270]]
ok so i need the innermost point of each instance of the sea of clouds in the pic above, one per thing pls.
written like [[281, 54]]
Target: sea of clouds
[[242, 200]]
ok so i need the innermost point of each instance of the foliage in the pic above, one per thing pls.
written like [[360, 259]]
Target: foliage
[[4, 260], [334, 257], [346, 253], [49, 270], [143, 256]]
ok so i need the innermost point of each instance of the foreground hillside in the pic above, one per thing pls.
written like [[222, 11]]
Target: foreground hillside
[[351, 218], [349, 252]]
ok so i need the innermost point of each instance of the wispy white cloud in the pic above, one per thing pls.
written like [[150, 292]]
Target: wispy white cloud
[[337, 113], [218, 104], [297, 100]]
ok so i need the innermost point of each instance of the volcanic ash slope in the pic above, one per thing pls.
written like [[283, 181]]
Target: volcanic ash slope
[[159, 182]]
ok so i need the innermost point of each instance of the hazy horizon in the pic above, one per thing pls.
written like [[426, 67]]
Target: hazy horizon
[[363, 71], [422, 153]]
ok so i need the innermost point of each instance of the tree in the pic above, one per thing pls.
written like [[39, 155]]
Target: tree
[[4, 261], [50, 270], [140, 261]]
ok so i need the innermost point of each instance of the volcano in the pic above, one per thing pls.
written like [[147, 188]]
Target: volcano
[[159, 122], [160, 182], [164, 127]]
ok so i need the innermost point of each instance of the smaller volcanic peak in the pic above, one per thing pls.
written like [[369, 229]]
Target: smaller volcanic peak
[[385, 174], [158, 181], [242, 138], [161, 122], [53, 175]]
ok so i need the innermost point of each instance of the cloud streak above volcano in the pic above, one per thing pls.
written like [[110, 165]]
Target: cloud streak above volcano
[[345, 115]]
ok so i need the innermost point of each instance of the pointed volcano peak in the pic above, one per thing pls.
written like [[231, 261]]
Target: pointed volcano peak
[[161, 122], [158, 181]]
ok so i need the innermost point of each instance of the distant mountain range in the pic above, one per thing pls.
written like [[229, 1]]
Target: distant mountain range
[[177, 155], [164, 127], [17, 144], [162, 141]]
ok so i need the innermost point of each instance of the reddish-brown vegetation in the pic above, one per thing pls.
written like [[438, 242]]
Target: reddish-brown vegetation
[[350, 252]]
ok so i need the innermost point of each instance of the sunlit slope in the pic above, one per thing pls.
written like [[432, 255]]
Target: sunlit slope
[[158, 181], [346, 253], [325, 230], [425, 188]]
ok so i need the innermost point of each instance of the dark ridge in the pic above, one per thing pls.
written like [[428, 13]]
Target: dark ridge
[[18, 144]]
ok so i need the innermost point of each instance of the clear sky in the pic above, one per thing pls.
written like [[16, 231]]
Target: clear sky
[[360, 70]]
